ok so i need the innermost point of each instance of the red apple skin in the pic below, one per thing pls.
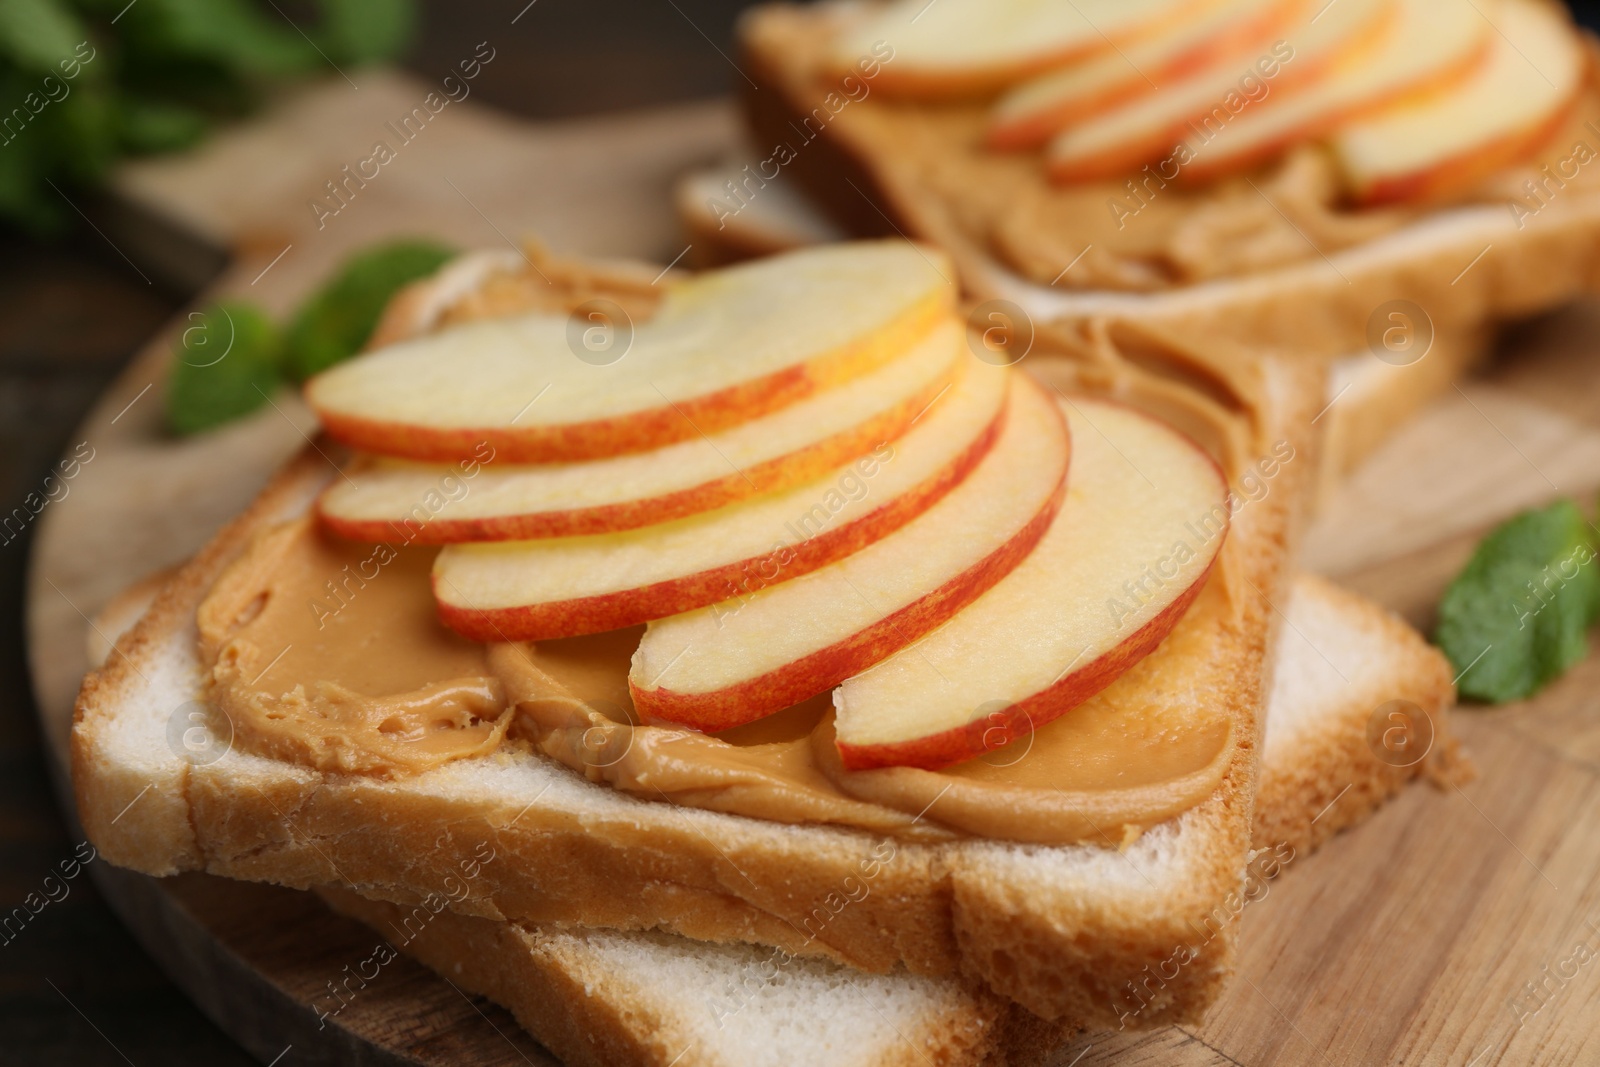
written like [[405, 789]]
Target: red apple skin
[[1199, 172], [935, 751], [1037, 128], [781, 472], [639, 431], [630, 607], [825, 668], [1158, 144], [1468, 168]]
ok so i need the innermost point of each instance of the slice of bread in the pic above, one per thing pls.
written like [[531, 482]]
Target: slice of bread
[[603, 998], [1462, 264], [649, 999], [1056, 928], [1367, 396], [599, 997], [778, 219]]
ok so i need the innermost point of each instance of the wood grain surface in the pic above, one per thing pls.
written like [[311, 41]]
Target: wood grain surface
[[1446, 930]]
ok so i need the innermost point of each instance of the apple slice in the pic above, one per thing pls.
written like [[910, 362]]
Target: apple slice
[[1201, 37], [724, 347], [1434, 46], [1153, 128], [1533, 75], [961, 48], [566, 586], [391, 500], [1145, 517], [741, 660]]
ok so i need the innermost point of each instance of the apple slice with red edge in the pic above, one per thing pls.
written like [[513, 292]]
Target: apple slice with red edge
[[741, 660], [1145, 518], [390, 500], [1161, 126], [1533, 75], [1205, 36], [952, 49], [723, 347], [567, 586], [1434, 47]]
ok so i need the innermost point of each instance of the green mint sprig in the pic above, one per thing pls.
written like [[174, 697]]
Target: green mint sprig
[[231, 356], [1517, 616]]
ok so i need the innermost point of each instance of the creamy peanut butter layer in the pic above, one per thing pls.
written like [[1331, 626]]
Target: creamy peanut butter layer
[[329, 653]]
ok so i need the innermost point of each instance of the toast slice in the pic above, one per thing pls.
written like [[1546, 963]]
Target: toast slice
[[876, 166], [1057, 928], [599, 997], [1367, 396], [649, 999]]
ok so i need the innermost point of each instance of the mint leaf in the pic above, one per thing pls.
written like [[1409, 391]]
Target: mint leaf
[[1516, 617], [336, 322], [226, 365]]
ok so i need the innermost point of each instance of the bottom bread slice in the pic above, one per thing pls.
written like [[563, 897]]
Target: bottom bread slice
[[651, 999]]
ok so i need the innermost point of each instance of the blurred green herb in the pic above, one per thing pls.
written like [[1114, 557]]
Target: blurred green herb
[[231, 357], [1517, 616], [83, 82], [227, 366], [336, 322]]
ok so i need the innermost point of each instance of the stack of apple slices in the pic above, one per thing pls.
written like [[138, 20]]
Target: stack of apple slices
[[1414, 98], [855, 488]]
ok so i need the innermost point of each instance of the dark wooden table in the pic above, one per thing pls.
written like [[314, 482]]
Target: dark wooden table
[[70, 314]]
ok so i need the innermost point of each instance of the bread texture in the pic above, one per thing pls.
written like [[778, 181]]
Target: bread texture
[[1319, 305], [1056, 929], [1343, 664], [601, 998], [648, 999], [784, 220]]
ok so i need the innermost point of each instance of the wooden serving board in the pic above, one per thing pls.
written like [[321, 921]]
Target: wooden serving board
[[1411, 939]]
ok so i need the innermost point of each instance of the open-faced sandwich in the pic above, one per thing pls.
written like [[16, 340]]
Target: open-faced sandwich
[[1270, 170], [765, 607]]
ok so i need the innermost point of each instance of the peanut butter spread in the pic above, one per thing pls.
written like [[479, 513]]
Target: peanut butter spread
[[1151, 230], [321, 653], [328, 653]]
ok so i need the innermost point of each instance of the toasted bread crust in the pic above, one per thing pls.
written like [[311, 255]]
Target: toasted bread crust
[[142, 813]]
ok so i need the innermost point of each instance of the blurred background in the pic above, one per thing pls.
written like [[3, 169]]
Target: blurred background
[[73, 310]]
